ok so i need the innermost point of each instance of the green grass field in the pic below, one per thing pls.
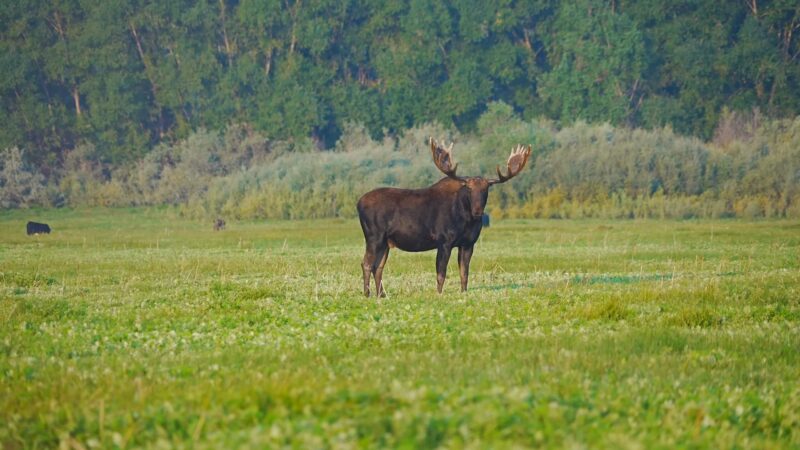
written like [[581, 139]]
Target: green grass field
[[138, 328]]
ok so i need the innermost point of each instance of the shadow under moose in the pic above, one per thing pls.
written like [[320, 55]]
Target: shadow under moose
[[443, 216]]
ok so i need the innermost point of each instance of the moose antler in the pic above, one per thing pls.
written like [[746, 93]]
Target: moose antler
[[516, 162], [443, 158]]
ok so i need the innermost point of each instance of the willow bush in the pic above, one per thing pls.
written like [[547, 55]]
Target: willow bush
[[583, 170]]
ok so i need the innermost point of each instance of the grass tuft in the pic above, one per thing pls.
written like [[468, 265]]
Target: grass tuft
[[611, 309], [694, 316]]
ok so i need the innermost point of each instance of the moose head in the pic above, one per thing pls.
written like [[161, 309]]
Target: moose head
[[478, 187]]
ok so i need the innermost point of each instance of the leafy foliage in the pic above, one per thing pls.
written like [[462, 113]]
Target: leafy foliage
[[125, 76], [752, 170], [19, 185]]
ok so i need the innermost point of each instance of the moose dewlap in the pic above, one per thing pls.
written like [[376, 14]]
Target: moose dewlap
[[445, 215]]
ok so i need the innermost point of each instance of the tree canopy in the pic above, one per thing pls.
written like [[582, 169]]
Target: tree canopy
[[125, 75]]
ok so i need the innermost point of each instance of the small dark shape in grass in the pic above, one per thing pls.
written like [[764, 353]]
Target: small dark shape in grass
[[694, 316], [611, 309], [224, 290], [27, 280], [619, 279], [500, 287]]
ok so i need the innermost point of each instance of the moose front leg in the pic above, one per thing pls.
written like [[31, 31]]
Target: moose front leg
[[464, 255], [442, 258]]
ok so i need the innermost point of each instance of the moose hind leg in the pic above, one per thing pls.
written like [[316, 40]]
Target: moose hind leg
[[366, 267], [381, 255], [374, 258]]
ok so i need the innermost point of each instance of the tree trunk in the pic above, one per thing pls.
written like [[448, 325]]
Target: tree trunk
[[76, 97], [228, 48], [268, 62], [58, 26], [148, 70], [293, 13]]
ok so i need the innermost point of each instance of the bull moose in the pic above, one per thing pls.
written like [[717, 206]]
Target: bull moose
[[445, 215]]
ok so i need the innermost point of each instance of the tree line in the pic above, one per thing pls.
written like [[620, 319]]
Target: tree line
[[121, 77]]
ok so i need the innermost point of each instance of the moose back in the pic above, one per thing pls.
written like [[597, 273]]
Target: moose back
[[445, 215]]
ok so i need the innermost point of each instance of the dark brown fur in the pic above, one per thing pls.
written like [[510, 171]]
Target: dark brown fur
[[37, 228], [445, 215]]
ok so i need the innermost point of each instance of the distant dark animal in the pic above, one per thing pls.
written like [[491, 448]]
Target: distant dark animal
[[485, 220], [445, 215], [219, 224], [37, 228]]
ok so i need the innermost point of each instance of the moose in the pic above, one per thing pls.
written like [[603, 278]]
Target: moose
[[445, 215]]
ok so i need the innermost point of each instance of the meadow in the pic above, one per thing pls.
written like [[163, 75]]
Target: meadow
[[139, 328]]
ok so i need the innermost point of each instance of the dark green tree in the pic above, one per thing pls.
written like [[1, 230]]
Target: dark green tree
[[598, 61]]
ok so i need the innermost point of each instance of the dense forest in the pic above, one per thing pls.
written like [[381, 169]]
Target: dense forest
[[97, 94], [125, 75]]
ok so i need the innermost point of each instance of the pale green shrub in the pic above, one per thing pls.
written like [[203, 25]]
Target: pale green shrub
[[20, 186]]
